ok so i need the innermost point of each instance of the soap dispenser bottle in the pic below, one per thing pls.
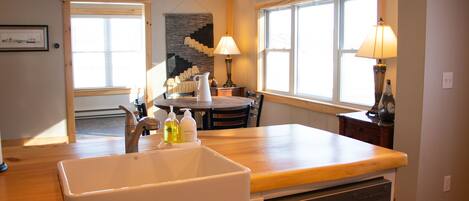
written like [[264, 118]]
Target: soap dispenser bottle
[[172, 134], [188, 127]]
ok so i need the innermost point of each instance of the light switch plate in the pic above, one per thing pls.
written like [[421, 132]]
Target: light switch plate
[[447, 80]]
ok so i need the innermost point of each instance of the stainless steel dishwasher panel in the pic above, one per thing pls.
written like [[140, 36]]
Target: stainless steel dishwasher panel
[[371, 190]]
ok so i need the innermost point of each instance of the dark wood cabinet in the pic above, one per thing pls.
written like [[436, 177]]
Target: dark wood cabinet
[[228, 91], [359, 126]]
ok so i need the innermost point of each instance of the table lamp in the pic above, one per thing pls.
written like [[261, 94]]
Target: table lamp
[[227, 46], [381, 43]]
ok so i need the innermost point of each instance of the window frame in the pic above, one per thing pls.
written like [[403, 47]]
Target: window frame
[[108, 50], [338, 52]]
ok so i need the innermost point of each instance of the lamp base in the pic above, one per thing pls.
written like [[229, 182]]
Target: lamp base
[[379, 72], [229, 82], [3, 167]]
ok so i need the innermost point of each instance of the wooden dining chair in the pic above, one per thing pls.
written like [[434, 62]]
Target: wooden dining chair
[[256, 108], [229, 118], [141, 113]]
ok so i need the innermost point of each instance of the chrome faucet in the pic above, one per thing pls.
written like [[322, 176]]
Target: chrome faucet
[[134, 128]]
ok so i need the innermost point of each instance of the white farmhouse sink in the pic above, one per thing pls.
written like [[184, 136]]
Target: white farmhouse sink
[[177, 174]]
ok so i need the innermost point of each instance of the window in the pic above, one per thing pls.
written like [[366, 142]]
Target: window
[[310, 51], [108, 51]]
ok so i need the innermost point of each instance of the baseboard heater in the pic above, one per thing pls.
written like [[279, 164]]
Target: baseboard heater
[[99, 113]]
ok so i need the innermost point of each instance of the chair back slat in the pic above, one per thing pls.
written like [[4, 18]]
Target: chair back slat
[[229, 118], [231, 111]]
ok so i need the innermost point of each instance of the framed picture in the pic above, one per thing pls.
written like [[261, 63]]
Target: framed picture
[[15, 38]]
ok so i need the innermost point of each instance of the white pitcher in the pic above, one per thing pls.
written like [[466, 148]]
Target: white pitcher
[[203, 88]]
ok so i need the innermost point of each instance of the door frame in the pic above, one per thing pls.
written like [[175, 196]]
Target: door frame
[[67, 45]]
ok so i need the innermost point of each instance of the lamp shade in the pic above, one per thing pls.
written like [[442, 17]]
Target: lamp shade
[[381, 43], [226, 46]]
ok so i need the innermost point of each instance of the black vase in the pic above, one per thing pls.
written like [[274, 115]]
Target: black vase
[[386, 107]]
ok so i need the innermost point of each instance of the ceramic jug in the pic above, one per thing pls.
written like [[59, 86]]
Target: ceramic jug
[[203, 87]]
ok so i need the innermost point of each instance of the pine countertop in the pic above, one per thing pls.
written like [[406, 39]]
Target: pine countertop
[[278, 156]]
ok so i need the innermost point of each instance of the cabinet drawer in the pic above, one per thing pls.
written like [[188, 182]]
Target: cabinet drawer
[[360, 126], [363, 133], [227, 92], [230, 91]]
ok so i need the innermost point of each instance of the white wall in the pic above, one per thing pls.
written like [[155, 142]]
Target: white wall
[[275, 114], [32, 83], [431, 122], [444, 141], [410, 75], [245, 35]]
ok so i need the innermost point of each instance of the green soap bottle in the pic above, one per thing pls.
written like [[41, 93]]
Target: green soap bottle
[[172, 132]]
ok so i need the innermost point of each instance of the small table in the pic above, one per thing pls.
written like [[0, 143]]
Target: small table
[[228, 91], [359, 126], [218, 102]]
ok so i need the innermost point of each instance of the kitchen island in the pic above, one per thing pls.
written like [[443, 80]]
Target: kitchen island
[[283, 159]]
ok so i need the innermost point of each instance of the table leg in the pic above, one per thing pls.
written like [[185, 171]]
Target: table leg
[[205, 121]]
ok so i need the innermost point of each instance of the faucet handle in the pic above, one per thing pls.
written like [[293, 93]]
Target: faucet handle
[[149, 123]]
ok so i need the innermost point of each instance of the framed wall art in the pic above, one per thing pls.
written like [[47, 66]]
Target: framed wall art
[[189, 42], [15, 38]]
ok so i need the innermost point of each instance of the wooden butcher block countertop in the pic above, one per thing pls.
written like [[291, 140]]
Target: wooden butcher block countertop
[[278, 156]]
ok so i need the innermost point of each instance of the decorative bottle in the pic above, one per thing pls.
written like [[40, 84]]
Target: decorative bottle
[[214, 82], [386, 107]]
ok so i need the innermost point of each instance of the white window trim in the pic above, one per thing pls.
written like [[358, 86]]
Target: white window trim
[[337, 55]]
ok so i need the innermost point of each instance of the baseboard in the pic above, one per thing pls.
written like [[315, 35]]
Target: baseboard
[[99, 113], [99, 116], [35, 141]]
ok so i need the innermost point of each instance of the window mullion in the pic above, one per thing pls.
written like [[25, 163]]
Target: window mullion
[[338, 44], [108, 52], [264, 55], [292, 85]]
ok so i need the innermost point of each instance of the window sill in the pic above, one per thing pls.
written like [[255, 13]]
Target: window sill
[[313, 105], [101, 91]]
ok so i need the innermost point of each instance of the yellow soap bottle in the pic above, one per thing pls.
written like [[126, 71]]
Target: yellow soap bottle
[[172, 132]]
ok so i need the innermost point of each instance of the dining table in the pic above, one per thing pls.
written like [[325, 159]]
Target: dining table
[[218, 102]]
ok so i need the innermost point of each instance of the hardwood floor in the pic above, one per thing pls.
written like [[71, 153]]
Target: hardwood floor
[[110, 126]]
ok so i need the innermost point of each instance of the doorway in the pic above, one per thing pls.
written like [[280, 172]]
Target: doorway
[[108, 59]]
